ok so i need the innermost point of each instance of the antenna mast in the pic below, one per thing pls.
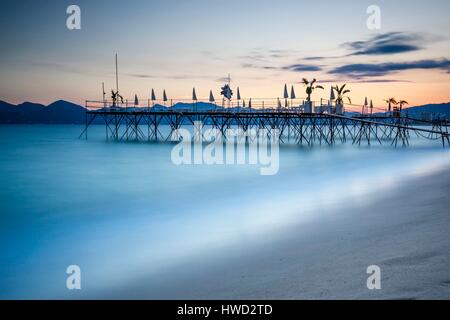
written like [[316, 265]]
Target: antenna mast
[[117, 76]]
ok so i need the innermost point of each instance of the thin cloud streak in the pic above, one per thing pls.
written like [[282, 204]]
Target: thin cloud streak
[[388, 43], [303, 68], [360, 70]]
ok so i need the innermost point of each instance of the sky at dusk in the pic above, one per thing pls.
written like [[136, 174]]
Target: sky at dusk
[[176, 45]]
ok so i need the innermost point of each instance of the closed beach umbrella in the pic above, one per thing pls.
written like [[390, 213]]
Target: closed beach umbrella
[[136, 101], [238, 96], [164, 96], [194, 99], [332, 97], [366, 104], [292, 93], [211, 96], [285, 93], [285, 96], [243, 103], [279, 103], [250, 103], [153, 96], [371, 106]]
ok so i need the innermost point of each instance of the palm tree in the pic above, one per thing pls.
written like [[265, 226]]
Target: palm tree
[[341, 94], [310, 87], [115, 96], [401, 103], [390, 102]]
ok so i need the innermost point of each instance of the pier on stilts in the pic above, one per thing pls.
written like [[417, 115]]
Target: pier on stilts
[[123, 123]]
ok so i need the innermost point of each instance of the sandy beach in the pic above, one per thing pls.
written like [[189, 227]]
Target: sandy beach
[[405, 233]]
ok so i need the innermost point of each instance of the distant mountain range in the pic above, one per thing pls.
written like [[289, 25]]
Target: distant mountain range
[[64, 112], [440, 110], [59, 112]]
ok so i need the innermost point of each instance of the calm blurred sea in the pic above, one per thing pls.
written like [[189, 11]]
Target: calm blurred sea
[[119, 210]]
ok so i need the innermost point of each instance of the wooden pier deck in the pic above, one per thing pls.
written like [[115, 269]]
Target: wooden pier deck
[[144, 124]]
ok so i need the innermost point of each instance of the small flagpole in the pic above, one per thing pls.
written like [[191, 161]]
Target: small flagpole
[[117, 75]]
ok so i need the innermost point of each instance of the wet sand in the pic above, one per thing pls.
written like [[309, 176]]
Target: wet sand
[[405, 233]]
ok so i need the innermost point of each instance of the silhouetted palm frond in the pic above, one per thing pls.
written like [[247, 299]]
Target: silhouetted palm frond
[[340, 92]]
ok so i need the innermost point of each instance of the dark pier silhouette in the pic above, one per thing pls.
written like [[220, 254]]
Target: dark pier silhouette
[[125, 123]]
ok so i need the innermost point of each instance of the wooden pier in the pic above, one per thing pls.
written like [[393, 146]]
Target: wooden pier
[[145, 124]]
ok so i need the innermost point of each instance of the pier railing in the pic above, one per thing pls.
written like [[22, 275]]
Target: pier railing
[[260, 104]]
